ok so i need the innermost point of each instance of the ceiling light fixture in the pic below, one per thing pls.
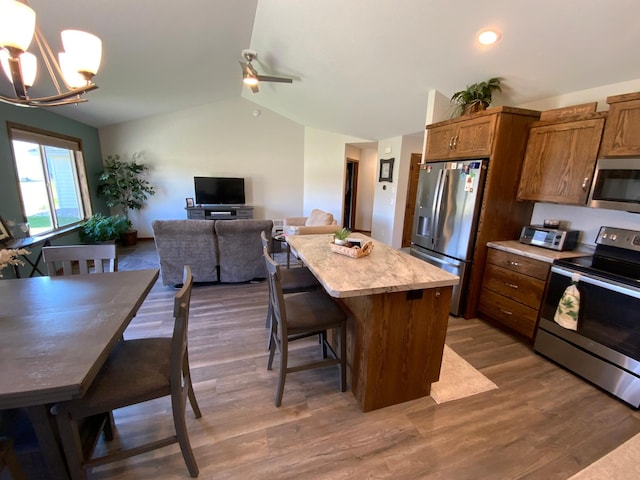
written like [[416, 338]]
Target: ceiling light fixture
[[78, 63], [489, 37]]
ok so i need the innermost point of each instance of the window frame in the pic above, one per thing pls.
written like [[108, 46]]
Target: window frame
[[53, 139]]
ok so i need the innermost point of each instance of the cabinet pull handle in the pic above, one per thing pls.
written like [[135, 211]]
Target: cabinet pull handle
[[451, 143], [455, 141], [515, 264], [506, 312], [511, 285], [584, 183]]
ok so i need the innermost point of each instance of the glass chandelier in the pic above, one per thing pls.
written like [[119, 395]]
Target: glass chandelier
[[71, 73]]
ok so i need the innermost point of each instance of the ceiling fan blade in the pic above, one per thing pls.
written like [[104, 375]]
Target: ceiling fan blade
[[266, 78]]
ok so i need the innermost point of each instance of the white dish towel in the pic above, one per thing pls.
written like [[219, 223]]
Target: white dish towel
[[569, 306]]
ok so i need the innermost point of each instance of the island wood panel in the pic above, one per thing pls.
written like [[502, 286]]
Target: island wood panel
[[394, 344]]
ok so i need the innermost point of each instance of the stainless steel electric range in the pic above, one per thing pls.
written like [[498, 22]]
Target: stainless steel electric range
[[605, 347]]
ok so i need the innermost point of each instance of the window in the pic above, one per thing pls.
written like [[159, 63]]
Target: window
[[52, 179]]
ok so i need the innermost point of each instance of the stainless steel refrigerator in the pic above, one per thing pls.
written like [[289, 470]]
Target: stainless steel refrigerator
[[446, 216]]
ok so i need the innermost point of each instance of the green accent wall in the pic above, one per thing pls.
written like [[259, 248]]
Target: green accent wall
[[44, 119]]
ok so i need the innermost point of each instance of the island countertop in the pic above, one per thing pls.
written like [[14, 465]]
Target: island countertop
[[385, 270]]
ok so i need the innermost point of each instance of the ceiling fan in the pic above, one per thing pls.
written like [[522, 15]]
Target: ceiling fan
[[250, 75]]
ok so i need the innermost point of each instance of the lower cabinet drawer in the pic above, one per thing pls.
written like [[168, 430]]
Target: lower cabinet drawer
[[523, 289], [515, 315]]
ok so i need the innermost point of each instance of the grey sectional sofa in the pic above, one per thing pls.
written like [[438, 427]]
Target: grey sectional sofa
[[227, 251]]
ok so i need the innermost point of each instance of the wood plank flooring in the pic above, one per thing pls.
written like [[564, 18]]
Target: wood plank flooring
[[541, 423]]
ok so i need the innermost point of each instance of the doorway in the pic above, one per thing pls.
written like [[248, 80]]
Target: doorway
[[350, 194], [410, 206]]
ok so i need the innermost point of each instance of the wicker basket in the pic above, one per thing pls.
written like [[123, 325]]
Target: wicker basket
[[353, 252]]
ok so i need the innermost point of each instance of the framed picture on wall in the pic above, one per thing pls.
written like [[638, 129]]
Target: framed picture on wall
[[190, 203], [386, 170], [4, 231]]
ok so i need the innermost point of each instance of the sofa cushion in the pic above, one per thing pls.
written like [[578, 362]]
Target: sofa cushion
[[240, 249], [318, 217], [186, 242]]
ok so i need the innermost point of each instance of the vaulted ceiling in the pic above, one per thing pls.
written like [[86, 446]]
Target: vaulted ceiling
[[360, 67]]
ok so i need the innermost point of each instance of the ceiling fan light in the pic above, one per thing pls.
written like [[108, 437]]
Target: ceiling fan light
[[249, 80], [17, 24], [85, 49]]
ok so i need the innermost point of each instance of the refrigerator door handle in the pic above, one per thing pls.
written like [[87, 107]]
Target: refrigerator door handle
[[437, 205]]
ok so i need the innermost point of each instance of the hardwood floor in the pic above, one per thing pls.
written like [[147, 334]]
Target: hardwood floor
[[541, 423]]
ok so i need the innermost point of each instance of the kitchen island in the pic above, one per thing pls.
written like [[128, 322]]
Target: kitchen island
[[398, 310]]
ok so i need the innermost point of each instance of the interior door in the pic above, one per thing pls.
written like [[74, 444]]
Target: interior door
[[410, 205]]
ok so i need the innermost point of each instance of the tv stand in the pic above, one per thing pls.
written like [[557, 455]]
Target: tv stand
[[219, 212]]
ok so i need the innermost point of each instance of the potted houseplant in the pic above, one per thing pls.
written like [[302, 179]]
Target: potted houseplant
[[475, 97], [99, 228], [341, 236], [123, 185]]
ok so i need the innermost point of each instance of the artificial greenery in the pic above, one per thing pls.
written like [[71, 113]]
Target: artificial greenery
[[477, 96], [122, 184], [342, 234], [99, 228]]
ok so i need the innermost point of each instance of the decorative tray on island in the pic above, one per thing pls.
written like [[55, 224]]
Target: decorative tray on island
[[356, 250]]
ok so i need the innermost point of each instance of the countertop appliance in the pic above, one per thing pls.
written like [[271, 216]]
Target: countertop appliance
[[616, 184], [605, 347], [552, 238], [446, 216]]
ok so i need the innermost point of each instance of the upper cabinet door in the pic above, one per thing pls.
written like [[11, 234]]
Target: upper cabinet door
[[560, 160], [463, 139], [622, 133]]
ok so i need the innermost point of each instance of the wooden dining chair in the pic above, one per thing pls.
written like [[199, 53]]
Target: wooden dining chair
[[298, 316], [9, 460], [89, 259], [136, 371], [292, 280]]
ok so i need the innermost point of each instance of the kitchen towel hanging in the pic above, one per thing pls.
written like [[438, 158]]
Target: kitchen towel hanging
[[568, 308]]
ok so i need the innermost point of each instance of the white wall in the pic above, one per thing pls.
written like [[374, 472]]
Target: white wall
[[217, 139], [587, 220], [324, 170], [366, 188]]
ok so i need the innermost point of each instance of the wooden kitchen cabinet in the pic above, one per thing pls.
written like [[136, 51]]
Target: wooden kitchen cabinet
[[498, 134], [621, 136], [512, 290], [560, 159], [470, 137]]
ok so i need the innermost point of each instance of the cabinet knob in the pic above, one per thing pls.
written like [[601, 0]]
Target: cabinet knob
[[512, 285], [585, 182]]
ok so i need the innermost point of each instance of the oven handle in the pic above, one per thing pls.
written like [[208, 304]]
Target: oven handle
[[598, 282]]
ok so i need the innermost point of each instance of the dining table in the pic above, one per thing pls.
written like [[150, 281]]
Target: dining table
[[398, 312], [55, 335]]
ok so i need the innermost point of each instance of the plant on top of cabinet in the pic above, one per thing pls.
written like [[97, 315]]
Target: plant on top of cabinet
[[475, 97]]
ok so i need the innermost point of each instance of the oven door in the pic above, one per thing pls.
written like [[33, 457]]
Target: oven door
[[608, 315], [605, 349]]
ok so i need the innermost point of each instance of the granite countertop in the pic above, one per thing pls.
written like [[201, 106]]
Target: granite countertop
[[538, 253], [384, 270]]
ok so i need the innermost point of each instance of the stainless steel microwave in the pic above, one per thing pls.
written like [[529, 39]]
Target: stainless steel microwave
[[616, 184]]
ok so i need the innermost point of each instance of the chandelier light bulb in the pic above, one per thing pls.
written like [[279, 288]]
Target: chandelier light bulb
[[84, 48], [17, 25], [250, 80]]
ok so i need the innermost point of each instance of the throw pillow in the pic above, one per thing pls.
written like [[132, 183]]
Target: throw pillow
[[318, 217]]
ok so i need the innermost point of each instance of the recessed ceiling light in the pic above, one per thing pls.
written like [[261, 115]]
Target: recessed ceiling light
[[488, 37]]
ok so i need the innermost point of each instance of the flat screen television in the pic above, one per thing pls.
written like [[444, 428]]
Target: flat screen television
[[219, 190]]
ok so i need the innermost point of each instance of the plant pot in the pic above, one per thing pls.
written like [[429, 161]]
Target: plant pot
[[474, 108], [129, 238], [337, 241]]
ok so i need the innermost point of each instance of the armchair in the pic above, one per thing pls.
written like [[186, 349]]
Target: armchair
[[318, 222]]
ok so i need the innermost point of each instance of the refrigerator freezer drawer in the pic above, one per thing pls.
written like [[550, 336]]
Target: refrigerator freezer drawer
[[451, 265]]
